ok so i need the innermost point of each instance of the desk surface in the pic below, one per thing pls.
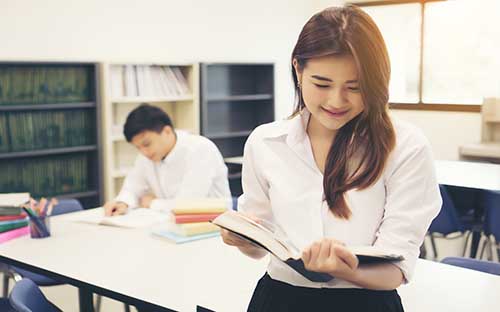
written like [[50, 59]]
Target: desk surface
[[133, 264], [468, 174]]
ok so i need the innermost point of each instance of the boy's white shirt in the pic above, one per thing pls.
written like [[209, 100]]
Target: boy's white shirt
[[283, 185], [193, 169]]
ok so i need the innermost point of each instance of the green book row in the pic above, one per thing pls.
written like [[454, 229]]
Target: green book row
[[24, 131], [47, 176], [45, 84]]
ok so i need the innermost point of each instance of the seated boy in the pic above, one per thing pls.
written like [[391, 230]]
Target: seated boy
[[170, 165]]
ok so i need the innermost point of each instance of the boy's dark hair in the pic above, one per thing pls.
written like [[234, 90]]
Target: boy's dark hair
[[146, 117]]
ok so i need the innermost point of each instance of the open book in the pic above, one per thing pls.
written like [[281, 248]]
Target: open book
[[135, 218], [285, 251]]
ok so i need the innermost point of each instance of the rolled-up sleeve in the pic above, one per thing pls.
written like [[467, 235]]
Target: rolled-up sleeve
[[135, 185], [412, 202]]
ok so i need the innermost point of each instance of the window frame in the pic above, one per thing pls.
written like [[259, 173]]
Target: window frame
[[420, 106]]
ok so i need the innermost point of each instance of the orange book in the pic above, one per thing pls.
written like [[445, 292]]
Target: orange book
[[190, 218]]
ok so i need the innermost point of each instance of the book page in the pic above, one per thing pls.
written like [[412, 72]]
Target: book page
[[136, 218], [14, 199], [256, 233]]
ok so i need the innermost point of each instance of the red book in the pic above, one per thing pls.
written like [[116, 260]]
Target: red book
[[16, 217], [190, 218]]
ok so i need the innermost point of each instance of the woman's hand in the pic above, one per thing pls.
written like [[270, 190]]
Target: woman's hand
[[243, 245], [332, 257]]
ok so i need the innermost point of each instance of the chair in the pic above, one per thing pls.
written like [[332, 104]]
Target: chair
[[491, 227], [27, 297], [474, 264], [235, 203], [447, 222]]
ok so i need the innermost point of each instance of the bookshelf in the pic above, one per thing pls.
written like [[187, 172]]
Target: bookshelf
[[489, 148], [235, 98], [172, 87], [50, 130]]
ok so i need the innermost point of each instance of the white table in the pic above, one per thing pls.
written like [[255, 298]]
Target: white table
[[137, 268], [468, 174]]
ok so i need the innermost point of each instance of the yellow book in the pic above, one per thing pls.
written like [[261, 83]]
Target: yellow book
[[202, 205], [190, 229]]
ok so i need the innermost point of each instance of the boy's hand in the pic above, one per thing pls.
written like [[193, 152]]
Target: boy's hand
[[114, 208], [145, 201]]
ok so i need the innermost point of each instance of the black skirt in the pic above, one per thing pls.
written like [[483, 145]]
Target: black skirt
[[277, 296]]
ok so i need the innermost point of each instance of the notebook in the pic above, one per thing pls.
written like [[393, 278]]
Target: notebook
[[179, 239], [135, 218]]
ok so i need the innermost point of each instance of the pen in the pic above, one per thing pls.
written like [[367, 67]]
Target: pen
[[41, 227]]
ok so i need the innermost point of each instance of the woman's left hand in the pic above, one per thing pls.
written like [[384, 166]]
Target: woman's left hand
[[330, 256]]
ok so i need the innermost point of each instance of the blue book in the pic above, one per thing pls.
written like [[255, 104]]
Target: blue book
[[17, 221], [179, 239]]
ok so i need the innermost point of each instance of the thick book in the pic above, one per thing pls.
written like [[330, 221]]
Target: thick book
[[199, 217], [12, 218], [13, 199], [7, 236], [10, 211], [10, 203], [179, 239], [190, 229], [202, 205], [256, 233], [12, 225]]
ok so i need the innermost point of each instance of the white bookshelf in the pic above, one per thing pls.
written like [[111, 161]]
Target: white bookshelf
[[179, 101]]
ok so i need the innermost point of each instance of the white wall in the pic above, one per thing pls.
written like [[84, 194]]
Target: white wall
[[191, 31], [157, 30], [446, 131]]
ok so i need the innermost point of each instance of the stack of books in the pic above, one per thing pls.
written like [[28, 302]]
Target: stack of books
[[13, 221], [190, 220]]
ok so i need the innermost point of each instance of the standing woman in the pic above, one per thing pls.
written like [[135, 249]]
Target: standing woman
[[339, 172]]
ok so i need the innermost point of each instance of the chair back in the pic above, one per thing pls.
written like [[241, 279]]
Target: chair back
[[27, 297], [447, 221], [491, 202], [66, 206]]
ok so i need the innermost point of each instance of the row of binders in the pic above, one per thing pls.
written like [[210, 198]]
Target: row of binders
[[148, 81]]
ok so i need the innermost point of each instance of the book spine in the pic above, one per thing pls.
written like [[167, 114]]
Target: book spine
[[7, 236], [179, 219]]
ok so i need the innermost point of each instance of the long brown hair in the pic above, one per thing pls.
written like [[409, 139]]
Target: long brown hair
[[350, 31]]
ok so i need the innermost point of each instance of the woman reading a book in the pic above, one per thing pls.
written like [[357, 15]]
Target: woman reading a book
[[339, 172]]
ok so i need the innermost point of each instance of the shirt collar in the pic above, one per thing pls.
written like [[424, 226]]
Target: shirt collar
[[293, 130], [175, 150]]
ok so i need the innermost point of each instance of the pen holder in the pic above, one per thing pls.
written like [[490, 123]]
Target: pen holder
[[40, 227]]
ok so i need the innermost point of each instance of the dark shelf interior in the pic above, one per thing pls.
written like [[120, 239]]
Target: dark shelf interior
[[239, 79], [50, 130], [44, 152], [235, 99], [31, 107]]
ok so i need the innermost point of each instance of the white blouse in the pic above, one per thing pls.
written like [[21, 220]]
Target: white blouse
[[283, 185], [193, 169]]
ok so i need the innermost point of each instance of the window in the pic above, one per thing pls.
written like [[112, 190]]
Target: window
[[444, 54]]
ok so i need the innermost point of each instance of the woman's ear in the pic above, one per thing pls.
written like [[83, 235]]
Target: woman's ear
[[298, 71]]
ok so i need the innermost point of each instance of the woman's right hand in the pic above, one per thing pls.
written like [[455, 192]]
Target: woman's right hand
[[245, 246], [250, 249], [234, 240]]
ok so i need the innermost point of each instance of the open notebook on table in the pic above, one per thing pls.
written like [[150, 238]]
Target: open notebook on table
[[258, 234], [135, 218]]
